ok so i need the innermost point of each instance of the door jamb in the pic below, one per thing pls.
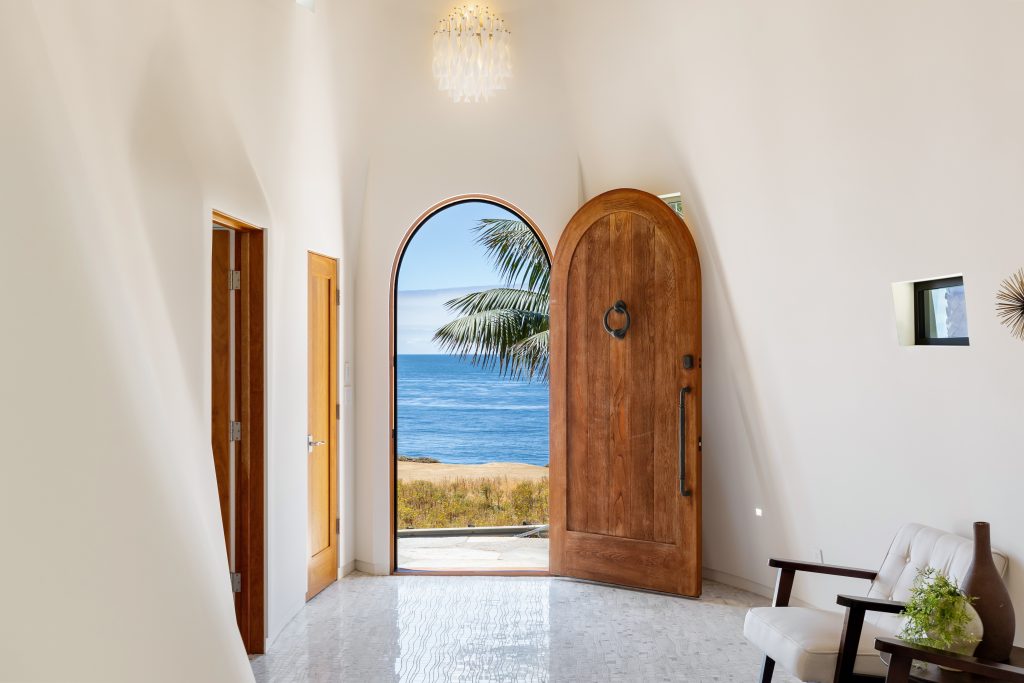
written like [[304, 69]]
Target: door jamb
[[250, 536], [393, 378]]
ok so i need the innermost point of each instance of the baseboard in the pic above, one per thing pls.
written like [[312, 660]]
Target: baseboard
[[371, 568], [271, 639], [748, 585], [346, 569], [738, 582]]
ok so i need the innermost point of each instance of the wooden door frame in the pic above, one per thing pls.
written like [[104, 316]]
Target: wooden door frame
[[393, 376], [332, 384], [250, 537]]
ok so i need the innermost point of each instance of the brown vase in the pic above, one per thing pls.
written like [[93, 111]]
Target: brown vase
[[992, 600]]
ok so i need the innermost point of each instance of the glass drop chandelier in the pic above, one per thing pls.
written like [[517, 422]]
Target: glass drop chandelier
[[472, 57]]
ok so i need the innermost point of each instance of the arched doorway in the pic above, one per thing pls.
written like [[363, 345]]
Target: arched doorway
[[469, 408]]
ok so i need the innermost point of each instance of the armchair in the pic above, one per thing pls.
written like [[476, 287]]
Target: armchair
[[822, 646]]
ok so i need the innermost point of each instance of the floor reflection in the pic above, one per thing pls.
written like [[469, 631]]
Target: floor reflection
[[436, 628]]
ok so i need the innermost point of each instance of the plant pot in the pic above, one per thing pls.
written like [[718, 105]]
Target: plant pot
[[976, 631], [992, 600]]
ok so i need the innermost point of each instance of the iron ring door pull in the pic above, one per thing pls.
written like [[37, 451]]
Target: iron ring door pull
[[682, 441], [617, 332]]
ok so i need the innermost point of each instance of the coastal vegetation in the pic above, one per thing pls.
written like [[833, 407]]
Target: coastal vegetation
[[408, 458], [499, 501]]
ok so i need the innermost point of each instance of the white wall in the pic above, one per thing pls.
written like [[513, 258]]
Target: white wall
[[423, 149], [123, 124], [825, 151]]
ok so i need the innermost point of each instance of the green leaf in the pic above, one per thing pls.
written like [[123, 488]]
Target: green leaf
[[505, 328]]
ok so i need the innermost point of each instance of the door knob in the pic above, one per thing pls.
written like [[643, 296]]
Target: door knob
[[310, 444]]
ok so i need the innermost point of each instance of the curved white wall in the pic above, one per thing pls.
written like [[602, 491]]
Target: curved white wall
[[123, 124], [824, 151]]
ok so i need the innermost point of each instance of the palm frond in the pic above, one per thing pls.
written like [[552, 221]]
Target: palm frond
[[490, 339], [500, 298], [516, 252], [530, 356], [505, 328]]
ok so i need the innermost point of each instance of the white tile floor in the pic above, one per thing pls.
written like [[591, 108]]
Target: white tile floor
[[419, 628]]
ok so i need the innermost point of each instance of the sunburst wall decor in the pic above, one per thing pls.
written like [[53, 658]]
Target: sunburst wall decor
[[1010, 303]]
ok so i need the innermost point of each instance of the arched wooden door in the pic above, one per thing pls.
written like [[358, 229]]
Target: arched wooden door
[[626, 396]]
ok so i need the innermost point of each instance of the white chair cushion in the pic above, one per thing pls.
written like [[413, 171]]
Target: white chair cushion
[[805, 641], [917, 546]]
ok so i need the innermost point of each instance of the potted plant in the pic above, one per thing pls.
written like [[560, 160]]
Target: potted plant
[[939, 615]]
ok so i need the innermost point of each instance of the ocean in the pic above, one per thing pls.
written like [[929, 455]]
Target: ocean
[[455, 412]]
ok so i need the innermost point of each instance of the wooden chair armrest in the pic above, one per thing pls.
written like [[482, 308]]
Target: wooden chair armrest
[[871, 604], [818, 568], [856, 607], [789, 568]]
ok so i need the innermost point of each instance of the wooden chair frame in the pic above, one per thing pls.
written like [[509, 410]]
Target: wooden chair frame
[[856, 609]]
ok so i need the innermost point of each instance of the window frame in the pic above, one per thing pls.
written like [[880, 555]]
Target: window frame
[[921, 288]]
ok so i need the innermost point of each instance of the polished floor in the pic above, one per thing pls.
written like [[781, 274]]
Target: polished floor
[[433, 628], [461, 553]]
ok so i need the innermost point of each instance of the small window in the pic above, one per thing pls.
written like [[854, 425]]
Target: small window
[[675, 200], [940, 312]]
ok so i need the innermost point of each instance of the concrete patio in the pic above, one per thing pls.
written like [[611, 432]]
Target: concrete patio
[[462, 553]]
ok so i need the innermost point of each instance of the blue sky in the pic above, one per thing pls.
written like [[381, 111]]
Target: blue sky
[[441, 262]]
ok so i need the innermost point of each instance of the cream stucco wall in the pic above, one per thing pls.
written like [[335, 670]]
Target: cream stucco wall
[[123, 125], [825, 151]]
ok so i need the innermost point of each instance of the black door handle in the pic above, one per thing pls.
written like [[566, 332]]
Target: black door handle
[[617, 332], [682, 440]]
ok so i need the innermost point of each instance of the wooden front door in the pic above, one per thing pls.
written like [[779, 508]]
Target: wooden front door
[[322, 437], [626, 396]]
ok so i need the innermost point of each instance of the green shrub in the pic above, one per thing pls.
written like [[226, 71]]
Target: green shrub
[[449, 503]]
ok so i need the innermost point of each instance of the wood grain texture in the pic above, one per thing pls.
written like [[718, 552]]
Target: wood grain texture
[[323, 424], [220, 377], [250, 468], [617, 514], [250, 400]]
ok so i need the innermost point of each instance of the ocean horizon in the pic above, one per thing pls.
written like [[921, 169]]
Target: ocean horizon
[[452, 411]]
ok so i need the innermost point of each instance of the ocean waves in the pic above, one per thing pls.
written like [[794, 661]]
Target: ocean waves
[[452, 411]]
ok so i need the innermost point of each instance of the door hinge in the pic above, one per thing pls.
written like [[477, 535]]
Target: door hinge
[[234, 279], [337, 293], [337, 411], [700, 443], [392, 434], [337, 526], [236, 582], [235, 431]]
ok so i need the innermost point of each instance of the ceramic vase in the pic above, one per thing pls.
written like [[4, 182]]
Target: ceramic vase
[[992, 600], [975, 632]]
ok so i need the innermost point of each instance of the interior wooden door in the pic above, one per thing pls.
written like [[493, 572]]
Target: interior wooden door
[[237, 412], [221, 371], [625, 397], [322, 439]]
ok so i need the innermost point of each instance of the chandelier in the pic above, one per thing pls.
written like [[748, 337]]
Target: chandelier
[[472, 58]]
